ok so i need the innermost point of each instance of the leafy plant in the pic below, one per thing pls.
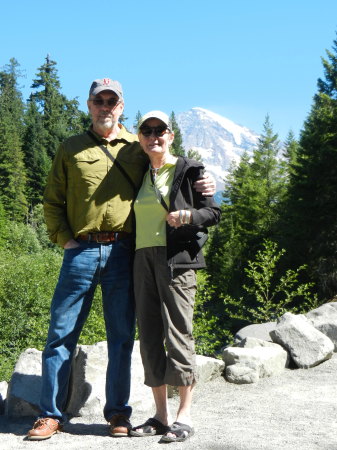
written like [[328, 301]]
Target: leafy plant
[[27, 285], [271, 297], [209, 332]]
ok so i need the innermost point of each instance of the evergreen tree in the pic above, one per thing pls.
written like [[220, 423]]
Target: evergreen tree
[[194, 154], [177, 145], [290, 152], [12, 170], [312, 206], [36, 159], [61, 117], [253, 195], [4, 228], [268, 181], [136, 122]]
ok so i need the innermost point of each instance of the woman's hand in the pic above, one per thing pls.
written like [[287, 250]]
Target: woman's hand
[[178, 218]]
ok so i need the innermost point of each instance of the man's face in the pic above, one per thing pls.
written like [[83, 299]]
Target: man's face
[[105, 109]]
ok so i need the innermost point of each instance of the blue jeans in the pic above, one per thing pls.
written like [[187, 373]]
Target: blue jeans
[[109, 265]]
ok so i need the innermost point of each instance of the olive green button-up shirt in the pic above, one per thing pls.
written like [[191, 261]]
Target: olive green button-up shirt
[[86, 192]]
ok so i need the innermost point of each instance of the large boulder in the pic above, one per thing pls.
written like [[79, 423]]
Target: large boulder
[[209, 368], [306, 345], [256, 330], [3, 396], [87, 383], [25, 385], [87, 387], [324, 318], [253, 359]]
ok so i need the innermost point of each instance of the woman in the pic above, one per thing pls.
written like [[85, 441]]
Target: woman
[[169, 214]]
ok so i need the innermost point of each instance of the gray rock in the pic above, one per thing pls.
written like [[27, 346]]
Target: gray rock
[[257, 330], [324, 318], [209, 368], [87, 387], [252, 342], [263, 358], [3, 396], [306, 345], [241, 374], [25, 385], [87, 383]]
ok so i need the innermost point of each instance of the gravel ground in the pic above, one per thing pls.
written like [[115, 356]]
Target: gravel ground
[[296, 410]]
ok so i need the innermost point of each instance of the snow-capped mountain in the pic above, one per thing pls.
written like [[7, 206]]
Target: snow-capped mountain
[[218, 140]]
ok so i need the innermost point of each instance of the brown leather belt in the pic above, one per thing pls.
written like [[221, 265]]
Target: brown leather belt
[[104, 236]]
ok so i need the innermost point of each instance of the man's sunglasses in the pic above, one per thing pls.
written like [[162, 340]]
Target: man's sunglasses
[[157, 131], [110, 102]]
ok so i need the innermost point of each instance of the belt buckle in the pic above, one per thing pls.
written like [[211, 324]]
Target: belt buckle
[[101, 240]]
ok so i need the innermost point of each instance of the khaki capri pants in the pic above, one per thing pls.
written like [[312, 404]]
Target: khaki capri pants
[[164, 308]]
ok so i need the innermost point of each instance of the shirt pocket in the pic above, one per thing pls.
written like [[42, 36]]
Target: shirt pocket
[[86, 169]]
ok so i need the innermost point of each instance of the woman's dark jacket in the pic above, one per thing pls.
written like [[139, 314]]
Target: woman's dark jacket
[[183, 250]]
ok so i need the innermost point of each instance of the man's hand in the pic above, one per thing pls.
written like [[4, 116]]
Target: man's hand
[[71, 244], [205, 185]]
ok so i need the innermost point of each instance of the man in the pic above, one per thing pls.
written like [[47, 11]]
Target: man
[[88, 210]]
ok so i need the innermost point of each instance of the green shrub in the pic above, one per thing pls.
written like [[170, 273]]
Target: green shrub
[[22, 238], [37, 223], [271, 297], [94, 328], [27, 285], [210, 333]]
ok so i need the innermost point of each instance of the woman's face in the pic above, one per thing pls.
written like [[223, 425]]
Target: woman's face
[[152, 144]]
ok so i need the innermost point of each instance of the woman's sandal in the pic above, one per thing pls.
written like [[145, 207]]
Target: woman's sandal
[[181, 432], [150, 428]]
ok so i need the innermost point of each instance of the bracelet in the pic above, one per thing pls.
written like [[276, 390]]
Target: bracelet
[[185, 216], [181, 217]]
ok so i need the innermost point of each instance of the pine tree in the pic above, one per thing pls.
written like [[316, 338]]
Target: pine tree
[[269, 182], [177, 145], [36, 159], [136, 121], [61, 117], [291, 148], [253, 195], [4, 228], [194, 154], [312, 206], [12, 170]]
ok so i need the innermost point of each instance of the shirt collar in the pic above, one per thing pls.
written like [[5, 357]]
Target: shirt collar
[[122, 136]]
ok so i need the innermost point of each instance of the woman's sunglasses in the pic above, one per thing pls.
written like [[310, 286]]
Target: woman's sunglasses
[[157, 131]]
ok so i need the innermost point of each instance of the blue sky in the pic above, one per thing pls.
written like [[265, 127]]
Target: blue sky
[[242, 59]]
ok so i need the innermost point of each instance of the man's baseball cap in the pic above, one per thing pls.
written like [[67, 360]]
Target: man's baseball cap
[[106, 84], [155, 115]]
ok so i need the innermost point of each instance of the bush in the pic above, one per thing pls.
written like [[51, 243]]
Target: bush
[[271, 297], [210, 333], [27, 285], [37, 223], [94, 328], [22, 239]]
